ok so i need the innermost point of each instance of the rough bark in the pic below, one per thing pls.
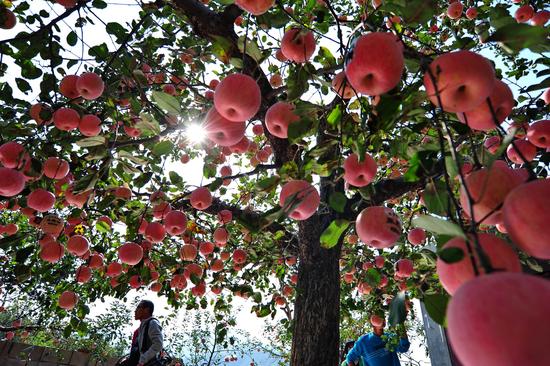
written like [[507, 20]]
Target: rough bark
[[317, 308]]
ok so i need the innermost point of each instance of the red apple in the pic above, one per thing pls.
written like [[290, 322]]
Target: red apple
[[539, 134], [521, 151], [278, 117], [67, 87], [52, 252], [540, 18], [454, 11], [299, 199], [83, 274], [68, 300], [114, 269], [175, 222], [130, 253], [238, 97], [78, 245], [500, 255], [298, 45], [55, 168], [188, 252], [359, 174], [526, 214], [524, 13], [416, 236], [41, 200], [239, 256], [222, 131], [378, 227], [155, 232], [66, 119], [201, 198], [90, 85], [480, 118], [464, 80], [377, 63], [499, 320], [90, 125], [256, 7], [341, 86]]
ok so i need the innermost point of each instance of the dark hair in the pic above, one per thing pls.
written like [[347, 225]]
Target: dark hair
[[148, 304], [347, 347]]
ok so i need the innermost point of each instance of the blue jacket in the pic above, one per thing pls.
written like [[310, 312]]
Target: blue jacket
[[371, 348]]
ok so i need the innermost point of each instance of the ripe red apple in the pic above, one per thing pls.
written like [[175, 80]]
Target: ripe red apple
[[492, 144], [13, 155], [188, 252], [527, 150], [12, 182], [68, 300], [524, 13], [52, 252], [41, 200], [299, 199], [298, 45], [7, 18], [206, 248], [90, 85], [37, 110], [67, 87], [66, 3], [66, 119], [464, 80], [526, 212], [341, 86], [239, 256], [90, 125], [501, 256], [488, 189], [454, 11], [240, 147], [155, 232], [359, 174], [404, 268], [193, 269], [201, 198], [221, 236], [238, 97], [55, 168], [155, 287], [222, 131], [540, 18], [130, 253], [480, 118], [278, 117], [471, 13], [83, 274], [378, 227], [78, 245], [135, 282], [95, 261], [161, 209], [539, 134], [377, 63], [114, 269], [500, 320], [416, 236], [256, 7], [175, 222]]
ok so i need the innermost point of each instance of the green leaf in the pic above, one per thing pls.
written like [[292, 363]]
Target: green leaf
[[23, 85], [72, 38], [373, 277], [436, 197], [166, 102], [299, 129], [117, 30], [325, 57], [436, 306], [451, 254], [102, 227], [268, 184], [438, 226], [333, 232], [398, 311], [163, 148], [297, 82], [148, 125], [175, 178], [337, 201], [335, 116], [517, 36], [92, 141], [251, 48]]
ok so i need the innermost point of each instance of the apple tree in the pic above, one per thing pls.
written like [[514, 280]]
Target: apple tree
[[356, 154]]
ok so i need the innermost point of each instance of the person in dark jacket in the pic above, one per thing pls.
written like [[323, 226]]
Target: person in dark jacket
[[147, 339], [371, 349]]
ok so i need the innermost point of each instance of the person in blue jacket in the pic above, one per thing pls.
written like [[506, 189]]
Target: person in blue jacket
[[371, 349]]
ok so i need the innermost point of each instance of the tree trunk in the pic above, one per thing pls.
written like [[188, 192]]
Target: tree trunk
[[316, 337]]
